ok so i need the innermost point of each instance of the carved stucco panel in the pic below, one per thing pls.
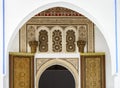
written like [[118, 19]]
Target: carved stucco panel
[[74, 62], [40, 62]]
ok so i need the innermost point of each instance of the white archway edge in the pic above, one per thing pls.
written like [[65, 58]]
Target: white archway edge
[[102, 18], [58, 62]]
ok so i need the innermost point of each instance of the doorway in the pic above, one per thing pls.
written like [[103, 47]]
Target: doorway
[[56, 76]]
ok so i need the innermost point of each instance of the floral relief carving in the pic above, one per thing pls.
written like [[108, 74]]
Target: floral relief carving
[[70, 41], [43, 41], [57, 41]]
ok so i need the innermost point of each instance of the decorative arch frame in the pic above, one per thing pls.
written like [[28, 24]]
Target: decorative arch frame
[[63, 63], [41, 8]]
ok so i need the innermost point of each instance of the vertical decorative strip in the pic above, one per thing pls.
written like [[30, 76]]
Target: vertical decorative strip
[[3, 36], [57, 41], [116, 35], [43, 41], [91, 47], [22, 39], [70, 41]]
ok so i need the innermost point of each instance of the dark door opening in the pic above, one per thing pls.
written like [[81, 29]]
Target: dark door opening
[[56, 76]]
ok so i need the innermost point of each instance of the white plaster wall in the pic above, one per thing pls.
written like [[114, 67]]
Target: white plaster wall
[[15, 44], [101, 46]]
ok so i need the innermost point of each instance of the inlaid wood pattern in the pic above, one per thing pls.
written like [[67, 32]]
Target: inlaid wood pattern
[[92, 71], [21, 71]]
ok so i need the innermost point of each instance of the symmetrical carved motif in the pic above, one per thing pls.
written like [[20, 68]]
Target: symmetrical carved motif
[[49, 19], [70, 41], [57, 41], [43, 41], [42, 61]]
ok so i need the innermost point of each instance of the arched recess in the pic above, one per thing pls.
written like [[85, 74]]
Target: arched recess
[[57, 39], [60, 62], [50, 5], [71, 35], [45, 35]]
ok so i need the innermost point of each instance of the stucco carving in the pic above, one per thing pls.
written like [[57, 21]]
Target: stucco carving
[[62, 21]]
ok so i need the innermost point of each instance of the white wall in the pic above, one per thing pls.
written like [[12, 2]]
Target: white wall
[[101, 12], [15, 44], [101, 46]]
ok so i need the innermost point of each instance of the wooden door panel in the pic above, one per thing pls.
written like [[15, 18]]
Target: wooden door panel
[[21, 70], [93, 70]]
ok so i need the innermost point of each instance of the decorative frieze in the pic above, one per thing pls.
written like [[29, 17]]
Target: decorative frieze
[[83, 26], [58, 11], [59, 20]]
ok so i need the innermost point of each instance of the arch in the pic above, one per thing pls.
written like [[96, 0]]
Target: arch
[[41, 28], [57, 77], [66, 5], [60, 62], [49, 5]]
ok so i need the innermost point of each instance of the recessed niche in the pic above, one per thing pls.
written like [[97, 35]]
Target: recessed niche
[[56, 76]]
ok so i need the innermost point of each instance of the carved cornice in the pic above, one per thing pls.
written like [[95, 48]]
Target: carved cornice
[[59, 20]]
